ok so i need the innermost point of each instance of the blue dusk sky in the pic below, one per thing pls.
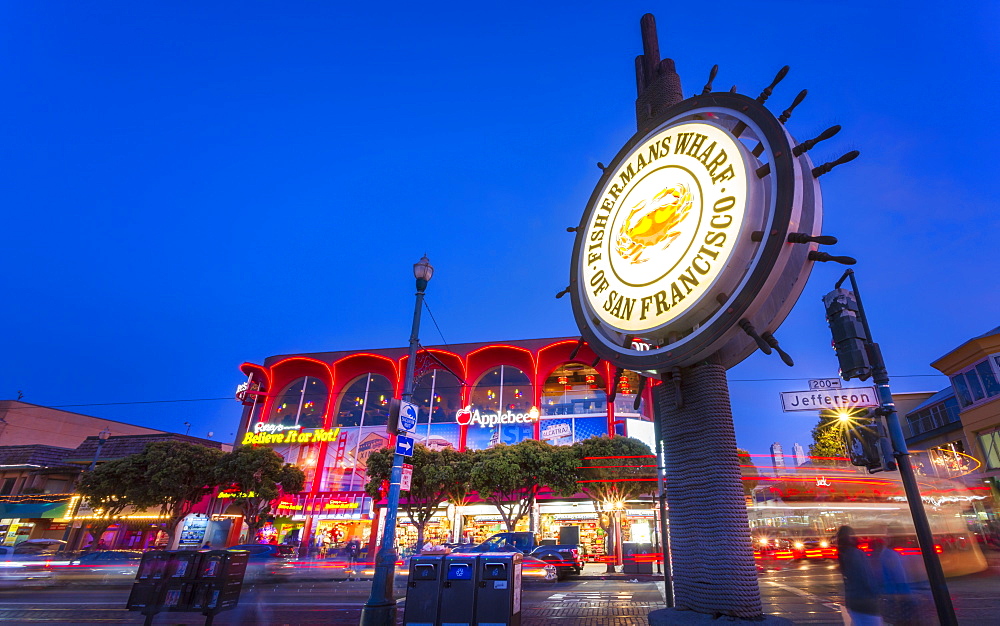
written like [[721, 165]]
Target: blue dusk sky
[[188, 186]]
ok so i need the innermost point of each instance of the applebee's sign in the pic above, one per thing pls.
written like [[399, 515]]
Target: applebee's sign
[[469, 416]]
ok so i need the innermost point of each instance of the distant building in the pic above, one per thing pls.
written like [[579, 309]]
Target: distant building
[[25, 424], [799, 453], [974, 398], [777, 458], [43, 451]]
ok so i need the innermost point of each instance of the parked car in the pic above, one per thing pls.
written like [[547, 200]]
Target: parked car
[[268, 562], [105, 567]]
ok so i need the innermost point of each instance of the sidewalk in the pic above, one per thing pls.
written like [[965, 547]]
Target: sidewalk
[[598, 571]]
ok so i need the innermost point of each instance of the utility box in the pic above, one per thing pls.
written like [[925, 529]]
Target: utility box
[[499, 599], [423, 591], [459, 584]]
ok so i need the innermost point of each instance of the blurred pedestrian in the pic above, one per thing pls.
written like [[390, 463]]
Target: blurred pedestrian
[[353, 550], [899, 605], [861, 588]]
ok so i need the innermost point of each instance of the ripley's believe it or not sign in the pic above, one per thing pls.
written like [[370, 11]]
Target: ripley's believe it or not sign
[[685, 236], [270, 434]]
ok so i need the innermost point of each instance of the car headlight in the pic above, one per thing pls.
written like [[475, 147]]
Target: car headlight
[[799, 545]]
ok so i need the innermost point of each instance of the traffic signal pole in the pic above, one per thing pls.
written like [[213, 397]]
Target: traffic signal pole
[[880, 375]]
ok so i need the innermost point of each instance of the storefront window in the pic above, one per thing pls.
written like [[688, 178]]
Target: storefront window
[[438, 395], [502, 389], [628, 386], [990, 442], [574, 405], [574, 389], [365, 402], [301, 403]]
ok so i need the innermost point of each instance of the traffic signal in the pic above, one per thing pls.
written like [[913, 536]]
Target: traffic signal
[[867, 446], [849, 337], [392, 425]]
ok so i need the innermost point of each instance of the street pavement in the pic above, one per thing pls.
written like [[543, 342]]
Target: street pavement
[[805, 592]]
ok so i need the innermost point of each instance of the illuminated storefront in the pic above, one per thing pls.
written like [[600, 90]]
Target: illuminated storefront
[[327, 412]]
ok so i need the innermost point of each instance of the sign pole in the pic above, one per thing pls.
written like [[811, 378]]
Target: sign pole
[[380, 609], [880, 375], [682, 268]]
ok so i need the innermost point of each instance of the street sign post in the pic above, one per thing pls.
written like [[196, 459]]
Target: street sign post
[[404, 446], [849, 398], [407, 416]]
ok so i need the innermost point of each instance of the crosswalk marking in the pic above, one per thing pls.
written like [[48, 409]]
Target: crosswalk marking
[[580, 596]]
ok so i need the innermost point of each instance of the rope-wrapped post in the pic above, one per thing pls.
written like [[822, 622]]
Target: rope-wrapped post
[[713, 564]]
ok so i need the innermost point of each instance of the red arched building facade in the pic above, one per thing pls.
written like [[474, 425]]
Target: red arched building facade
[[326, 412]]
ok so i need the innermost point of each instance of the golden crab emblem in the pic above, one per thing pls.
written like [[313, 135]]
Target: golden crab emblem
[[652, 222]]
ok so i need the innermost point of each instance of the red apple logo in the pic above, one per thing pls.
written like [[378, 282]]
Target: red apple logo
[[464, 416]]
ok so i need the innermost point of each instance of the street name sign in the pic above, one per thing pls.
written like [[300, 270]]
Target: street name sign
[[822, 384], [407, 416], [833, 399], [404, 445]]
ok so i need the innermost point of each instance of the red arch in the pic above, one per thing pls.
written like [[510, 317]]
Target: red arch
[[287, 370], [349, 368], [485, 358], [450, 359]]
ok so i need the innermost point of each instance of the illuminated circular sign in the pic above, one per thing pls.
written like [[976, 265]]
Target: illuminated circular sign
[[685, 237], [666, 226]]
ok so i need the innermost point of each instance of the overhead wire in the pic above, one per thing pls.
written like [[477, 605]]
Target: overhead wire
[[424, 351]]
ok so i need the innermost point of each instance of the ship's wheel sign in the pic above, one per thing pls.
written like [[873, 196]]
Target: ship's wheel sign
[[697, 239]]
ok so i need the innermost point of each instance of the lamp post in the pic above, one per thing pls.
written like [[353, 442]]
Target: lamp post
[[101, 438], [380, 609]]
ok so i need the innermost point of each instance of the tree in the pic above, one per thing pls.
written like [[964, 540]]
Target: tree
[[613, 471], [828, 438], [510, 477], [106, 488], [748, 470], [259, 475], [174, 476], [437, 477]]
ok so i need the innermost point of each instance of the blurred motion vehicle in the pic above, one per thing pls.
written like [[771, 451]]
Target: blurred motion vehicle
[[105, 567], [24, 568], [794, 515], [268, 562], [537, 569], [565, 558]]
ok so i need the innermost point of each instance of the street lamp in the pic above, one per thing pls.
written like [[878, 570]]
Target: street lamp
[[381, 606], [101, 438]]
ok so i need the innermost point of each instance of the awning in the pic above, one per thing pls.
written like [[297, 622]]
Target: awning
[[33, 510]]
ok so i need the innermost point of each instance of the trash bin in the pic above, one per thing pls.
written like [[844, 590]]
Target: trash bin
[[637, 558], [423, 591], [458, 590], [499, 600]]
